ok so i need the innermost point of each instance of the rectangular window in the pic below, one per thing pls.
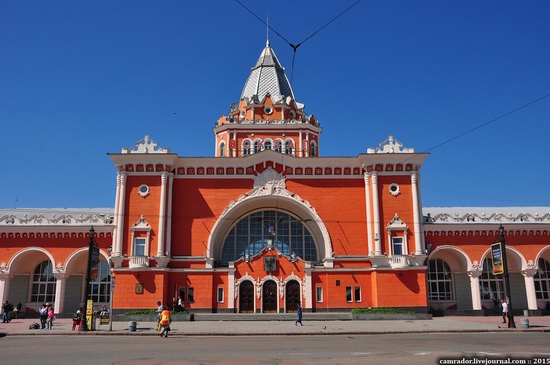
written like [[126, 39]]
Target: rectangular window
[[220, 295], [190, 295], [182, 293], [397, 243], [139, 248], [357, 293], [349, 297], [319, 294]]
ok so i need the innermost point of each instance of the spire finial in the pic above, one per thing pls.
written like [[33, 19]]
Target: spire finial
[[267, 31]]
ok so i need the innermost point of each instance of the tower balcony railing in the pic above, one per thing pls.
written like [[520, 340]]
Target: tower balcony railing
[[399, 261], [139, 261]]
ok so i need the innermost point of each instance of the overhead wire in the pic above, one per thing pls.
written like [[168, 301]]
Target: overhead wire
[[295, 46]]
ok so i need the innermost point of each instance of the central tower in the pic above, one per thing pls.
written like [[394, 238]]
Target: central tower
[[267, 117]]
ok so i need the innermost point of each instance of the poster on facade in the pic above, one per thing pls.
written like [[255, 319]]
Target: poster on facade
[[89, 314], [498, 263]]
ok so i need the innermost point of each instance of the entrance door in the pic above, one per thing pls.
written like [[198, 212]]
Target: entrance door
[[292, 295], [269, 297], [246, 297]]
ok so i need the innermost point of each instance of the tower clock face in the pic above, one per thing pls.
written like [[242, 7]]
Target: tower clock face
[[270, 263]]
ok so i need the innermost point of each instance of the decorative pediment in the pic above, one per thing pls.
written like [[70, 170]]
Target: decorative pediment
[[146, 145], [141, 225], [396, 224], [269, 181], [390, 145]]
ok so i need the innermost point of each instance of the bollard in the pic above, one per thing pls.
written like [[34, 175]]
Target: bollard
[[132, 325], [524, 323], [526, 312]]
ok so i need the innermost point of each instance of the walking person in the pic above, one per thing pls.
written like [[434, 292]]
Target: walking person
[[504, 311], [6, 309], [77, 318], [159, 314], [165, 321], [43, 314], [51, 317], [299, 315]]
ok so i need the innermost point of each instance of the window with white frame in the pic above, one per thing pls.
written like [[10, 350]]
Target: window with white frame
[[267, 145], [140, 245], [222, 149], [289, 147], [312, 149], [190, 294], [100, 287], [490, 286], [246, 147], [278, 146], [319, 294], [349, 294], [542, 280], [257, 146], [440, 282], [43, 283], [397, 245], [220, 294], [357, 293]]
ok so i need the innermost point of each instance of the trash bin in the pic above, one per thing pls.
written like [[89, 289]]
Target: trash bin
[[524, 323], [132, 325]]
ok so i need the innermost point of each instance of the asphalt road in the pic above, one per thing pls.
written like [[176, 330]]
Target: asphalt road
[[273, 350]]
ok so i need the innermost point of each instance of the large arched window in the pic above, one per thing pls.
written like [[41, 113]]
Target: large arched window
[[43, 283], [542, 280], [258, 230], [491, 286], [100, 286], [440, 282]]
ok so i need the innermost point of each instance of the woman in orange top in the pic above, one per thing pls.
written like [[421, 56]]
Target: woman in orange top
[[165, 322]]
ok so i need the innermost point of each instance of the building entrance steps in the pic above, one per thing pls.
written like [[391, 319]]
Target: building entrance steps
[[335, 316]]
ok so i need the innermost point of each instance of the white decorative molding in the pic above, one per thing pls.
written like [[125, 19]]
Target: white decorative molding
[[245, 277], [269, 182], [390, 145], [480, 217], [396, 224], [141, 225], [146, 145], [12, 218]]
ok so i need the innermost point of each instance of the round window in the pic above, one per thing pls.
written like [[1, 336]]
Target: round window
[[394, 189], [268, 110], [292, 114], [143, 190]]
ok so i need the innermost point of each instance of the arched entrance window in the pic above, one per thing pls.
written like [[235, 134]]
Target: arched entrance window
[[246, 297], [269, 297], [292, 297], [257, 230], [100, 287], [440, 282], [43, 283], [542, 280], [491, 286]]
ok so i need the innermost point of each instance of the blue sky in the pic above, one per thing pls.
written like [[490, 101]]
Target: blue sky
[[80, 79]]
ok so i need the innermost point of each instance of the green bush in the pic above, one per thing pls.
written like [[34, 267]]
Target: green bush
[[380, 310]]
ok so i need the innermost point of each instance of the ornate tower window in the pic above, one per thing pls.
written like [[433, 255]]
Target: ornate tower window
[[222, 149], [257, 146], [278, 146], [289, 147], [246, 147], [312, 149], [267, 145]]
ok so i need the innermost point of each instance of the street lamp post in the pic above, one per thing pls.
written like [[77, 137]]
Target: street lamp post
[[91, 245], [112, 290], [511, 323]]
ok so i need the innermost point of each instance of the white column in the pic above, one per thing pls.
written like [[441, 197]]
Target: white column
[[375, 203], [231, 288], [528, 276], [300, 144], [60, 281], [308, 290], [369, 214], [4, 286], [162, 215], [474, 288], [116, 231], [169, 217], [120, 216], [416, 216]]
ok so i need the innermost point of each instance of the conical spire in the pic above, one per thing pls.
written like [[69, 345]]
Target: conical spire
[[267, 76]]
